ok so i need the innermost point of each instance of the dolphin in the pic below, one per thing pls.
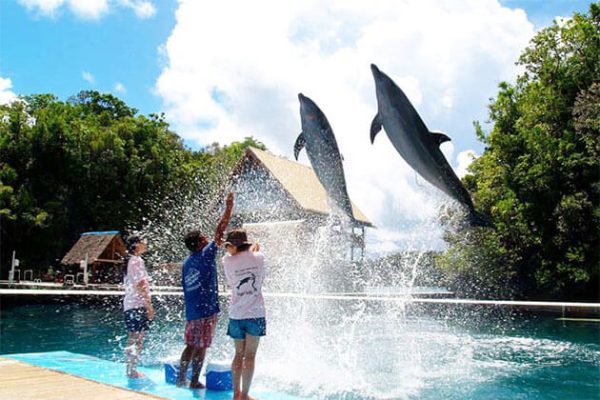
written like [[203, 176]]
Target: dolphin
[[323, 153], [417, 145]]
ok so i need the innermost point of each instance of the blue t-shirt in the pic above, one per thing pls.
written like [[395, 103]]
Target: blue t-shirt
[[199, 281]]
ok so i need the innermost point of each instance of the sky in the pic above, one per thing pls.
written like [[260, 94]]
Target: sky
[[221, 71]]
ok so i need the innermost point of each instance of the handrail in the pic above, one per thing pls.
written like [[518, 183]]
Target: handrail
[[307, 296]]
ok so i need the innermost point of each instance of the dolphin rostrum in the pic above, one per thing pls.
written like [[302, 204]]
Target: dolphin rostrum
[[323, 153], [416, 144]]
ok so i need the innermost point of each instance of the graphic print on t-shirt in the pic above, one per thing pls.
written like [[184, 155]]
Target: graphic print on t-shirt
[[246, 284], [192, 280], [250, 279]]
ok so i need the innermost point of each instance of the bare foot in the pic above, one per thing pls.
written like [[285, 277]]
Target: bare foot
[[197, 385], [135, 375]]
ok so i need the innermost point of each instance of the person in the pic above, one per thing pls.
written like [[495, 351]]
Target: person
[[137, 304], [200, 289], [245, 271]]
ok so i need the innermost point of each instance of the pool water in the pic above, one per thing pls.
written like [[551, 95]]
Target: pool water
[[348, 349]]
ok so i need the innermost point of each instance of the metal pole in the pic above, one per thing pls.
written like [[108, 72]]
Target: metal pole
[[11, 274]]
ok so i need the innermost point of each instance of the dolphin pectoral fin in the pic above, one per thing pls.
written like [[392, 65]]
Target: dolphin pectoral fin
[[299, 145], [375, 127], [342, 157], [439, 137]]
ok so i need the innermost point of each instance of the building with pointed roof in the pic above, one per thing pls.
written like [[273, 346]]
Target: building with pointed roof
[[104, 252], [286, 196]]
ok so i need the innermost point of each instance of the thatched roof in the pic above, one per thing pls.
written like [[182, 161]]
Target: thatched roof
[[300, 182], [99, 247]]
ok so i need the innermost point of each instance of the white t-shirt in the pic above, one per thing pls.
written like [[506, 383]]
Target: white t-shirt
[[136, 272], [245, 273]]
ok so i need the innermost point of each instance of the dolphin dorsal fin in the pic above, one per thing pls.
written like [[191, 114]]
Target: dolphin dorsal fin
[[299, 145], [439, 137], [375, 127]]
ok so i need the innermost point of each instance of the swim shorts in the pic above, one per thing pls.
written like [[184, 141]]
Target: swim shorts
[[200, 332], [238, 328], [136, 320]]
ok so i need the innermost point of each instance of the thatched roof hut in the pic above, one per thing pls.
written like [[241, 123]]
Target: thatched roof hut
[[282, 198], [105, 252], [300, 193], [106, 247]]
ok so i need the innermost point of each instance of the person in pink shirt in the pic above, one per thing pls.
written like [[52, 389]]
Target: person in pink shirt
[[245, 272], [136, 304]]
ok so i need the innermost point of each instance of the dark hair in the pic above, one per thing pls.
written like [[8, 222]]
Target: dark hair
[[243, 247], [239, 239], [192, 240], [132, 242]]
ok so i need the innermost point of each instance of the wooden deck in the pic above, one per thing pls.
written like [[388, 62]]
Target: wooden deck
[[21, 381]]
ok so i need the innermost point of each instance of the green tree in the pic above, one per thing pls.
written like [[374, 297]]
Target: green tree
[[538, 177], [93, 163], [90, 163]]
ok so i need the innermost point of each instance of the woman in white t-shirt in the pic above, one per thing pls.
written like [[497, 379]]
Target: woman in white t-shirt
[[136, 304], [245, 271]]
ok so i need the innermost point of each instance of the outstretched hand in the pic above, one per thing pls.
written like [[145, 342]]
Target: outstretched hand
[[255, 247], [229, 200], [225, 219]]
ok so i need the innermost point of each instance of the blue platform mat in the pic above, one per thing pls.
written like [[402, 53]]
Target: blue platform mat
[[113, 373]]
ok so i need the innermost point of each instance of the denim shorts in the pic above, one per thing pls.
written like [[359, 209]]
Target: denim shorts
[[136, 320], [239, 328]]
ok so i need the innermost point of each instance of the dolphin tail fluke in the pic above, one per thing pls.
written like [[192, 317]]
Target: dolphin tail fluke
[[478, 219], [375, 127], [299, 145]]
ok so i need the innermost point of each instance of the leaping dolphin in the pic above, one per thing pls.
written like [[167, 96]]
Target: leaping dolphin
[[323, 153], [416, 144]]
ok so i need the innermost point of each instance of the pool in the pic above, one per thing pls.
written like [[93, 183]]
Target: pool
[[351, 349]]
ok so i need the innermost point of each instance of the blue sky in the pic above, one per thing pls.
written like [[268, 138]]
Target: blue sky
[[173, 57], [49, 54]]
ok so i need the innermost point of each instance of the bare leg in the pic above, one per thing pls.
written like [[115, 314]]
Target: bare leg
[[236, 368], [135, 341], [197, 361], [248, 368], [186, 356]]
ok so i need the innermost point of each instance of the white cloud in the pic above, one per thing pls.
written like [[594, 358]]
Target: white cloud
[[234, 69], [47, 8], [6, 94], [464, 159], [119, 88], [88, 77], [143, 9], [88, 9]]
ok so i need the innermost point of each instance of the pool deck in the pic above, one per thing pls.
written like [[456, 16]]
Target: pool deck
[[22, 381]]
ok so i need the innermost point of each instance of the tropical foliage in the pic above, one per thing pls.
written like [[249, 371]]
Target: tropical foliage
[[538, 177], [90, 163]]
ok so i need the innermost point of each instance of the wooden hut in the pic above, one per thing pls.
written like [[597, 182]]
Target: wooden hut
[[104, 252], [278, 197]]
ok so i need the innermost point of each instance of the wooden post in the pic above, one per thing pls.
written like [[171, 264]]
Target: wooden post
[[85, 270]]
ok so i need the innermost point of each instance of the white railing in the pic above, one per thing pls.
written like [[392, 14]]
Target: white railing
[[342, 297]]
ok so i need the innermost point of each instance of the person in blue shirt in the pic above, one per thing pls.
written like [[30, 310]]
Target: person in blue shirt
[[199, 281]]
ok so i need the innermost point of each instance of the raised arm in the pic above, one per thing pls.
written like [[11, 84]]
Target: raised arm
[[224, 219]]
